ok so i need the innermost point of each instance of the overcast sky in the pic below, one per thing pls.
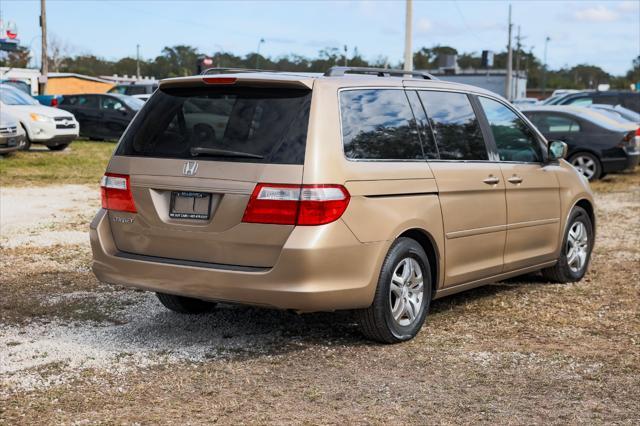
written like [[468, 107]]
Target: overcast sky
[[604, 33]]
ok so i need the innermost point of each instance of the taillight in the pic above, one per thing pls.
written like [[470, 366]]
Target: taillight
[[54, 102], [296, 204], [116, 193]]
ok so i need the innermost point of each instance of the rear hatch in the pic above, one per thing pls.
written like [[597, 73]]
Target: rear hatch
[[193, 156]]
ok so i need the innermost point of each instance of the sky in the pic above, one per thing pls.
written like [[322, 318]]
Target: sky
[[603, 33]]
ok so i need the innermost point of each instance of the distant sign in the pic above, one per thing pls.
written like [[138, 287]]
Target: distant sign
[[8, 36], [487, 59]]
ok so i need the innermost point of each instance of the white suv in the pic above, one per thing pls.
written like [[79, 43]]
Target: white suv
[[52, 127]]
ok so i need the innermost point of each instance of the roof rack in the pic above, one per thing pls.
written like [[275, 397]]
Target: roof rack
[[380, 72], [217, 70]]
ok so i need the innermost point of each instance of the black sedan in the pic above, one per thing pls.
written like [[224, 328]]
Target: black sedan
[[597, 144], [101, 116]]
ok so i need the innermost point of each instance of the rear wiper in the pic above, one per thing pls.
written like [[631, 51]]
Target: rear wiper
[[201, 150]]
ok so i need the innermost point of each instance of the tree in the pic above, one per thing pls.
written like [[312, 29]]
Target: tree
[[16, 59]]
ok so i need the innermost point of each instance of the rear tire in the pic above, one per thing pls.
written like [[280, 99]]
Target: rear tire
[[587, 164], [402, 297], [185, 305], [575, 255], [60, 147]]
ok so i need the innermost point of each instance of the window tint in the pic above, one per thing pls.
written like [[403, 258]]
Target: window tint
[[135, 90], [548, 123], [86, 101], [514, 139], [218, 123], [426, 135], [456, 128], [580, 102], [112, 104], [378, 124], [69, 100], [631, 101]]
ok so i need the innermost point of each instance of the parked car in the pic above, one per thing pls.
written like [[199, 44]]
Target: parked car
[[524, 101], [143, 98], [102, 116], [370, 192], [18, 84], [49, 100], [617, 112], [141, 88], [597, 144], [11, 134], [42, 124], [625, 98]]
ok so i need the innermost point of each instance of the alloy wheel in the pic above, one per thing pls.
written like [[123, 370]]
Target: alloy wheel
[[585, 165], [577, 246], [406, 291]]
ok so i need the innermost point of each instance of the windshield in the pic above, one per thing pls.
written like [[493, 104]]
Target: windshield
[[131, 102], [11, 96], [263, 125]]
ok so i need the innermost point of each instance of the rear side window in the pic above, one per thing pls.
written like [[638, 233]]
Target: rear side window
[[244, 124], [378, 124], [514, 139], [455, 126]]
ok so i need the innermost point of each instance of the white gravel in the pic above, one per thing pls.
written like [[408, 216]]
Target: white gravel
[[30, 216]]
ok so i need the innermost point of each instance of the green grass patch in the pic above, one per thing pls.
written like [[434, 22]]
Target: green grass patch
[[81, 163]]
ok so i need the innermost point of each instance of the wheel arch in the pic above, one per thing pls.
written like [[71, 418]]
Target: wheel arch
[[588, 207], [430, 247]]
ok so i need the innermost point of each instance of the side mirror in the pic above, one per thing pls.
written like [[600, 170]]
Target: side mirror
[[557, 150]]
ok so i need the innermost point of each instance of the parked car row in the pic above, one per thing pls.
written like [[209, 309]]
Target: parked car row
[[55, 120]]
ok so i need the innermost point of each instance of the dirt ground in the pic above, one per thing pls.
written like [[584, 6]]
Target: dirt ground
[[75, 351]]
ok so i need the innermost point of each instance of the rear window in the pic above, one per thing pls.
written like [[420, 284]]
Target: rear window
[[263, 125]]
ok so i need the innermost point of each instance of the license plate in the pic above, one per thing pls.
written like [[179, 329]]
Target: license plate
[[12, 142], [190, 205]]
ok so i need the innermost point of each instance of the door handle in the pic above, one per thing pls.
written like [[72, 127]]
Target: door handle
[[515, 179], [491, 180]]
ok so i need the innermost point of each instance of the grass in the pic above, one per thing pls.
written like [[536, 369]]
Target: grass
[[81, 163]]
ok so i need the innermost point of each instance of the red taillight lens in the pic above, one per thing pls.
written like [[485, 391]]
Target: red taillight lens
[[116, 193], [638, 131], [54, 102], [219, 80], [296, 204]]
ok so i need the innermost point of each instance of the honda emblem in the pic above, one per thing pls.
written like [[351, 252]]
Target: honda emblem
[[190, 168]]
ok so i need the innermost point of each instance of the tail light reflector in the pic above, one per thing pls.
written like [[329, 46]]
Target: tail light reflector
[[306, 205], [116, 193], [54, 102]]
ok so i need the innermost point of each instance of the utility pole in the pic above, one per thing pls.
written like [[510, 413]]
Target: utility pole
[[258, 54], [544, 67], [345, 55], [518, 46], [44, 64], [408, 52], [509, 62], [138, 61]]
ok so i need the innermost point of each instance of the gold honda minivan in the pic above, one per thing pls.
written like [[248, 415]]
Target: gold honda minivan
[[361, 189]]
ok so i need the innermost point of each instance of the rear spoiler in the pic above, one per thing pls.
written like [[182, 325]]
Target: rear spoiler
[[244, 79]]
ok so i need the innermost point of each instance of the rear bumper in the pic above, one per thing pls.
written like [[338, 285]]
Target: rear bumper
[[611, 165], [321, 268]]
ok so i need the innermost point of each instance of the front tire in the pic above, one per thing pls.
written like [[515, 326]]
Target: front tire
[[402, 297], [26, 142], [185, 305], [577, 245], [60, 147]]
